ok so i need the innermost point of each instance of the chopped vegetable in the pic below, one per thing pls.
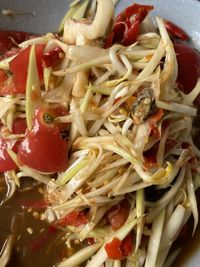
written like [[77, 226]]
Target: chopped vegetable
[[51, 155]]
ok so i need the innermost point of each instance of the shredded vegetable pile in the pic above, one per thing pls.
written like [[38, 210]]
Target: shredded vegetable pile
[[100, 120]]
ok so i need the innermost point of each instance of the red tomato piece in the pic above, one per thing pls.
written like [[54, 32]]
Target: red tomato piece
[[175, 31], [118, 214], [188, 67], [126, 25], [127, 245], [113, 249], [6, 163], [43, 148], [9, 39], [52, 58], [19, 67], [19, 126], [74, 218]]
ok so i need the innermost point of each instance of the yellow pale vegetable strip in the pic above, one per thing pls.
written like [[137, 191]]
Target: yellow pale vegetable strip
[[47, 74], [33, 90]]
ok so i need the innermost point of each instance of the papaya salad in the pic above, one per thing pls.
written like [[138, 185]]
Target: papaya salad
[[100, 116]]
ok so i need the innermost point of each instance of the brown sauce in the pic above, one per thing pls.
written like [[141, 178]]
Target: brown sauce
[[36, 244]]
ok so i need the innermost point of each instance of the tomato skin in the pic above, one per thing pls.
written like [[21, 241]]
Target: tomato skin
[[6, 163], [126, 25], [9, 39], [188, 67], [175, 31], [52, 58], [118, 214], [43, 149], [19, 67], [74, 218]]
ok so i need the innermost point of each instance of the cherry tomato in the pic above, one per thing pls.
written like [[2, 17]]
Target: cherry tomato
[[53, 57], [74, 218], [188, 67], [43, 148], [6, 163], [9, 39], [126, 25], [19, 67], [175, 31], [118, 214]]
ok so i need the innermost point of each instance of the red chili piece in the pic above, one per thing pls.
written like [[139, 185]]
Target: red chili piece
[[175, 31], [52, 58], [126, 25]]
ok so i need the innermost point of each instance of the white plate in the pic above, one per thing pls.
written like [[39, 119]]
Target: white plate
[[185, 13]]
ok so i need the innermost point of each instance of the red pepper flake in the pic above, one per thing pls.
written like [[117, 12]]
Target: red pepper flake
[[113, 249], [117, 249]]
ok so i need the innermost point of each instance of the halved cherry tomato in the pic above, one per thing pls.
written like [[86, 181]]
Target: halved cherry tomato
[[6, 163], [43, 148], [74, 218], [188, 67], [175, 31], [9, 39], [118, 214], [19, 67], [126, 25], [117, 249], [53, 57]]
